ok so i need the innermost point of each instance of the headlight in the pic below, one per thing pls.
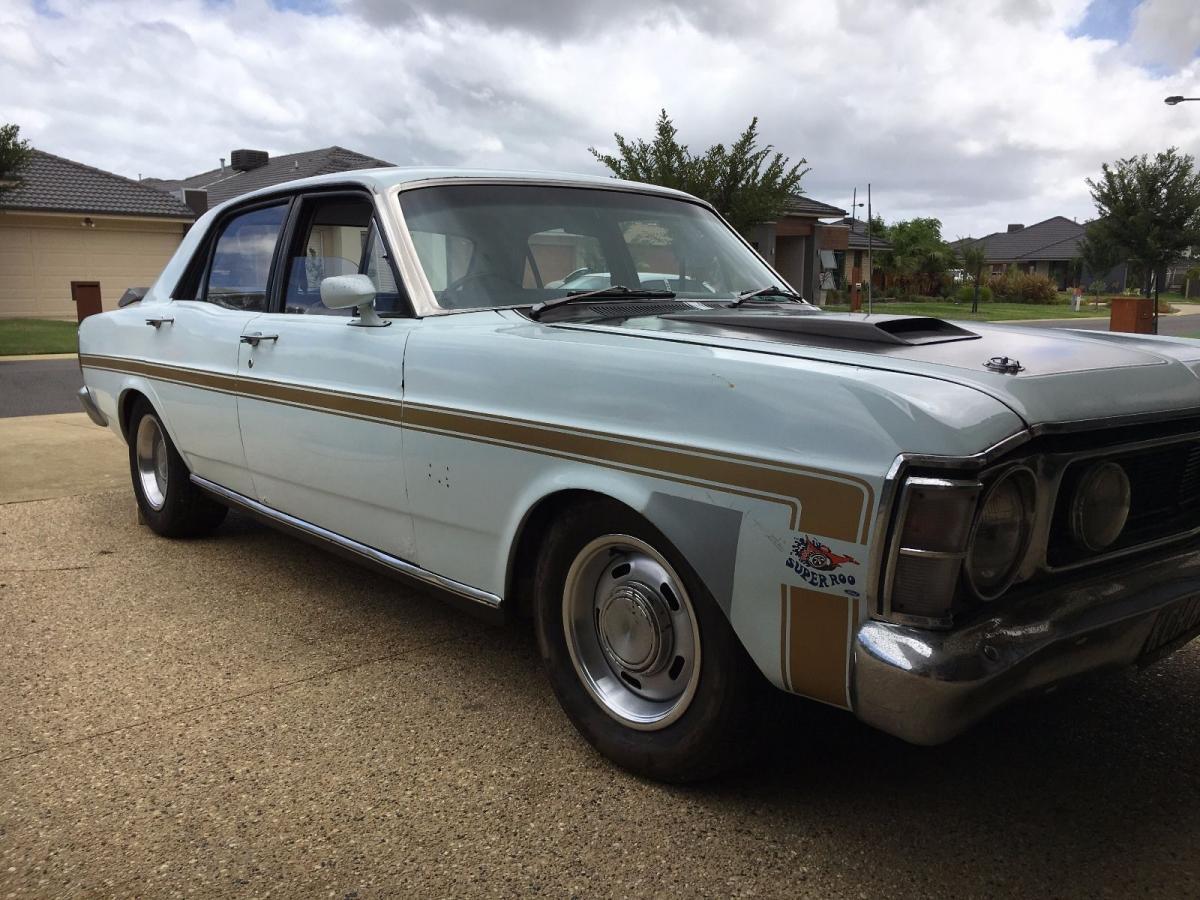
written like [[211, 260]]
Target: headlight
[[1100, 506], [1001, 533]]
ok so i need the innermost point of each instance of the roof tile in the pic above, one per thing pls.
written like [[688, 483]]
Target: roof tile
[[225, 184], [53, 184]]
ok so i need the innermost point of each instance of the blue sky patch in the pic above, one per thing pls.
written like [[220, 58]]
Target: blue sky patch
[[1108, 19]]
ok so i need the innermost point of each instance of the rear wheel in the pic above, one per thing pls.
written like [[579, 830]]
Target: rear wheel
[[169, 503], [639, 654]]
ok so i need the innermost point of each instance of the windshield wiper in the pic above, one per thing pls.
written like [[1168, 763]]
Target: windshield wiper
[[613, 290], [771, 290]]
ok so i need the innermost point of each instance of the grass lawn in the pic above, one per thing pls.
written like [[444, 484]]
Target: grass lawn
[[988, 312], [20, 336]]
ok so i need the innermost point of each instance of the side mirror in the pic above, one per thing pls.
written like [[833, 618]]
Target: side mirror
[[358, 291]]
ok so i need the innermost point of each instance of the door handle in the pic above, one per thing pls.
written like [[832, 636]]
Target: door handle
[[160, 320], [253, 339]]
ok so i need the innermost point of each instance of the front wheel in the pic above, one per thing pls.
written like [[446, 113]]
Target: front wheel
[[168, 501], [640, 656]]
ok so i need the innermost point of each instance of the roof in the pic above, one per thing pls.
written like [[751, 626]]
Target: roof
[[1056, 238], [383, 179], [51, 183], [858, 236], [800, 205], [225, 184]]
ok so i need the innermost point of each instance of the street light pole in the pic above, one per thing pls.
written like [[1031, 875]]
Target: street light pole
[[1176, 100]]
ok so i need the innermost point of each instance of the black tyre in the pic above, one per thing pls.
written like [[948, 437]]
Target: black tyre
[[170, 504], [641, 657]]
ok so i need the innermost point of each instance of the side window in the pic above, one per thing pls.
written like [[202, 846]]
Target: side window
[[560, 259], [337, 236], [241, 262]]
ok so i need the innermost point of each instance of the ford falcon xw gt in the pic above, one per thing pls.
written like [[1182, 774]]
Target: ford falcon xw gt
[[691, 480]]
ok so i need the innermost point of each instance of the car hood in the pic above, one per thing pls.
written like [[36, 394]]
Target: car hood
[[1064, 376]]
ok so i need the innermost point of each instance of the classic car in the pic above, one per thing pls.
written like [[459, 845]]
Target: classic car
[[692, 494]]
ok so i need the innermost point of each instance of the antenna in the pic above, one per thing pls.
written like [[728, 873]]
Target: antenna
[[870, 262]]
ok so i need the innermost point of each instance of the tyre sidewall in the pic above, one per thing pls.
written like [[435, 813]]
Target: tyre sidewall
[[183, 513], [712, 731]]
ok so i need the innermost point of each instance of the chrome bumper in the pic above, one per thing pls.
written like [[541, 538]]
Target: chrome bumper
[[90, 407], [928, 686]]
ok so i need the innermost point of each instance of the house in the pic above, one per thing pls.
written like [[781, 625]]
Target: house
[[249, 170], [73, 238], [855, 263], [1048, 248], [802, 248]]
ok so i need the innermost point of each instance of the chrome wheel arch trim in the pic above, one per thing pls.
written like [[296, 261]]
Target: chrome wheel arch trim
[[481, 601]]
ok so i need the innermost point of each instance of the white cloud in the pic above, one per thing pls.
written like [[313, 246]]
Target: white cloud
[[980, 113], [1166, 32]]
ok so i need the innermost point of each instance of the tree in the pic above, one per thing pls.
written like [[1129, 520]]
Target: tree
[[972, 259], [919, 257], [748, 184], [1097, 252], [14, 154], [1149, 208]]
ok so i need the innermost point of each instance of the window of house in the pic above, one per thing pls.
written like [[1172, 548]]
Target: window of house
[[337, 235], [241, 262]]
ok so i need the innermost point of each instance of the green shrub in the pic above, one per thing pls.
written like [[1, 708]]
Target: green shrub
[[966, 294]]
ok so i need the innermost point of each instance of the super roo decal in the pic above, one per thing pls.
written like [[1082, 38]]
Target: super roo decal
[[815, 563]]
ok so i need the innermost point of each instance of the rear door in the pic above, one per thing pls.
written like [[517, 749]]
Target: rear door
[[193, 341], [320, 397]]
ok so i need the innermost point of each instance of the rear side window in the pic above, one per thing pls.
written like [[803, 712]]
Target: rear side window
[[241, 261]]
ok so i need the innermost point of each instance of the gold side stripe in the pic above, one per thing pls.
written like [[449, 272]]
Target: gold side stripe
[[825, 503], [791, 505], [816, 644]]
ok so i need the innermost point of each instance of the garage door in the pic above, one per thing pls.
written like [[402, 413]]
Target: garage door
[[40, 259]]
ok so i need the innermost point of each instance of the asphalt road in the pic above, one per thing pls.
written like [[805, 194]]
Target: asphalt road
[[39, 387], [244, 715]]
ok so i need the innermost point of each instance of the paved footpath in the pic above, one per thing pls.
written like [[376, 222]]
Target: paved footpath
[[244, 715]]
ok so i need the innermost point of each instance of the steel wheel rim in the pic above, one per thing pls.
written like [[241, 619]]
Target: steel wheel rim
[[631, 632], [150, 450]]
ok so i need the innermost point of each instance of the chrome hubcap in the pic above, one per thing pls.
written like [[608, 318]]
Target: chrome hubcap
[[151, 453], [631, 632]]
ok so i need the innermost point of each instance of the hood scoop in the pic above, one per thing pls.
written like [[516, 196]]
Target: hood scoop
[[876, 329]]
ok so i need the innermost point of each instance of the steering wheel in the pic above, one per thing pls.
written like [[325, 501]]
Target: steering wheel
[[458, 285]]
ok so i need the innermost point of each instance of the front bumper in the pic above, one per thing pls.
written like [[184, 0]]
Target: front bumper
[[928, 686], [88, 402]]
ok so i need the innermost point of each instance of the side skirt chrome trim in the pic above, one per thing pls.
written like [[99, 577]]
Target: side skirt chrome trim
[[481, 603]]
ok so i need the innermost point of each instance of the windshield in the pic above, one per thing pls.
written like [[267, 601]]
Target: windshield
[[510, 245]]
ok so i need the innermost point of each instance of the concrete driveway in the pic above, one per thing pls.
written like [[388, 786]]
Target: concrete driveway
[[243, 715]]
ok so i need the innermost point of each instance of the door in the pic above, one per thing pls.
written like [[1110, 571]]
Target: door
[[196, 338], [321, 397], [86, 295]]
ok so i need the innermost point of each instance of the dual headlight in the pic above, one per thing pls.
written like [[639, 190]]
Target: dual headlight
[[965, 540]]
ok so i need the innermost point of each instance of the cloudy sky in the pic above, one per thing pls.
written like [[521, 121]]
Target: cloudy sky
[[979, 112]]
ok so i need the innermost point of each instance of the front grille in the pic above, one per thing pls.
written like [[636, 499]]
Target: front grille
[[1164, 499]]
